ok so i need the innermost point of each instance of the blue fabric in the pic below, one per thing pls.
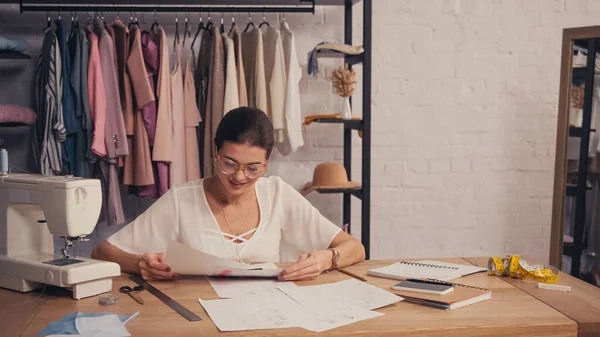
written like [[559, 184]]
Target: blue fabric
[[313, 63], [72, 124], [66, 325], [12, 44]]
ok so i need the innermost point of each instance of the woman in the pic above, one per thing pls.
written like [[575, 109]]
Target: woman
[[235, 213]]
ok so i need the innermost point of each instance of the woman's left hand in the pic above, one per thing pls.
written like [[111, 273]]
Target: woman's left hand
[[308, 267]]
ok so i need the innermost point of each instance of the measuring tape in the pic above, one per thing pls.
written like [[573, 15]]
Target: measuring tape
[[515, 267]]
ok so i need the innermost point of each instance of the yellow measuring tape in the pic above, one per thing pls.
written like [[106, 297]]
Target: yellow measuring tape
[[514, 266]]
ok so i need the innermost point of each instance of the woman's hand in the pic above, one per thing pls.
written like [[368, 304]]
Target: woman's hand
[[152, 267], [308, 267]]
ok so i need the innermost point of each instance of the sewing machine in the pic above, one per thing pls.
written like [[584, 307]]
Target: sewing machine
[[33, 209]]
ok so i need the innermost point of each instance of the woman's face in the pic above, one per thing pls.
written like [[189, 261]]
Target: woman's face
[[238, 167]]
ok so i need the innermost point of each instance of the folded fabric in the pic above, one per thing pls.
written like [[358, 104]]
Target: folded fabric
[[13, 44], [311, 118], [341, 48], [313, 63], [16, 114], [66, 325]]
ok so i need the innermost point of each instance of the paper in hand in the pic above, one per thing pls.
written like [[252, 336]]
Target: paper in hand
[[186, 260]]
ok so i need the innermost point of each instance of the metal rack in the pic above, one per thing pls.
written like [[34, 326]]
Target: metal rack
[[270, 6]]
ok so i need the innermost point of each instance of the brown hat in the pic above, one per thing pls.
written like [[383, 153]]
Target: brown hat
[[329, 176]]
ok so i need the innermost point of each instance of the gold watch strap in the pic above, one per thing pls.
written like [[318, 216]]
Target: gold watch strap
[[335, 259]]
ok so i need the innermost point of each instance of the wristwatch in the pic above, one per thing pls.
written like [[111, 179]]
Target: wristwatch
[[335, 259]]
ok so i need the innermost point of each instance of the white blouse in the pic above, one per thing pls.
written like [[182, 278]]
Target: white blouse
[[289, 225]]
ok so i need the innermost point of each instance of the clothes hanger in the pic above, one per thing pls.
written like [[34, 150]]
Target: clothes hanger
[[222, 27], [209, 24], [264, 21], [186, 31], [131, 22], [200, 28], [176, 29], [155, 23], [49, 24], [72, 26], [232, 23], [250, 23]]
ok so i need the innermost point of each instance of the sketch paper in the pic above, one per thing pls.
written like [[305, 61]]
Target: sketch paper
[[231, 287], [186, 260], [350, 293], [274, 310], [256, 305]]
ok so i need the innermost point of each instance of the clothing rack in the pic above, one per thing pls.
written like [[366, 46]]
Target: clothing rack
[[271, 6], [180, 6]]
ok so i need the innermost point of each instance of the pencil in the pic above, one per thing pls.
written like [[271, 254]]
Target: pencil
[[352, 274]]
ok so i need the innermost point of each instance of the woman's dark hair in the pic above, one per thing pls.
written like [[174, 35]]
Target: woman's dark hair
[[246, 125]]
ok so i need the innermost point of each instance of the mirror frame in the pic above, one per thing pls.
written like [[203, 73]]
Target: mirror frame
[[562, 133]]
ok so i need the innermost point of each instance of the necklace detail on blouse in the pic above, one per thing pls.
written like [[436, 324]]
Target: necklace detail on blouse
[[235, 237]]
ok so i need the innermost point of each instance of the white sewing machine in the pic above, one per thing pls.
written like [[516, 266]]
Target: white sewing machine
[[33, 209]]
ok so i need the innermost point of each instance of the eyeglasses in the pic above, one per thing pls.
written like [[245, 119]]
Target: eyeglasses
[[229, 167]]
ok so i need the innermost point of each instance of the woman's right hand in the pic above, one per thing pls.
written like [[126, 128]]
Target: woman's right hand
[[152, 267]]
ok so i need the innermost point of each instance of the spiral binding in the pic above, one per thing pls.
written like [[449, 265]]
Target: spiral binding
[[417, 264], [456, 284]]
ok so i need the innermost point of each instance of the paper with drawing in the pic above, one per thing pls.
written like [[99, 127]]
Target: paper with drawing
[[315, 308], [186, 260], [274, 310], [234, 287]]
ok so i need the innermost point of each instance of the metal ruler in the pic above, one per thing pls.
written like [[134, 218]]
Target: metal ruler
[[180, 309]]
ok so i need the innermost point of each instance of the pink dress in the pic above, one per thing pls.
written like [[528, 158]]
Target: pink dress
[[97, 96]]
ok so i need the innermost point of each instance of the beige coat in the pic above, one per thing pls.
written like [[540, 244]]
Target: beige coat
[[232, 98], [216, 95], [275, 80], [254, 69], [177, 174], [234, 34], [163, 141]]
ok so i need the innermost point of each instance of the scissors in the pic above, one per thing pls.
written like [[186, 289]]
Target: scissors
[[133, 292]]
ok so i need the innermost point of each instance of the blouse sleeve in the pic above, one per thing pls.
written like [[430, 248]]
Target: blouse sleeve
[[152, 230], [304, 228]]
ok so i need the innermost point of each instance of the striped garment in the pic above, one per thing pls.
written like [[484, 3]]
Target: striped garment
[[49, 129]]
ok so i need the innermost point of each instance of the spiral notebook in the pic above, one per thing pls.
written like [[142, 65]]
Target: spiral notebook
[[424, 270]]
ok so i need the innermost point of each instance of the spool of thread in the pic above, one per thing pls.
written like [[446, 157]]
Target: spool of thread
[[3, 162]]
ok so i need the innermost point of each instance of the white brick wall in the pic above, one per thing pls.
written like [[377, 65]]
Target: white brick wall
[[464, 119]]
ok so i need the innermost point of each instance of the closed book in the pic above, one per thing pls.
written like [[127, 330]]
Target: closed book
[[462, 296]]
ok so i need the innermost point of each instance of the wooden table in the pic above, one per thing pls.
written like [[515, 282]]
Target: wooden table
[[516, 309]]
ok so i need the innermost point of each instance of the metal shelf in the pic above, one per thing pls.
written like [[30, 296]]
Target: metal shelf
[[354, 124], [350, 59], [357, 192], [13, 55], [575, 131], [572, 190]]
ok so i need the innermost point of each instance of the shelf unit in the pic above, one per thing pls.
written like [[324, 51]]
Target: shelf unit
[[578, 190], [364, 125], [272, 6], [13, 55]]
